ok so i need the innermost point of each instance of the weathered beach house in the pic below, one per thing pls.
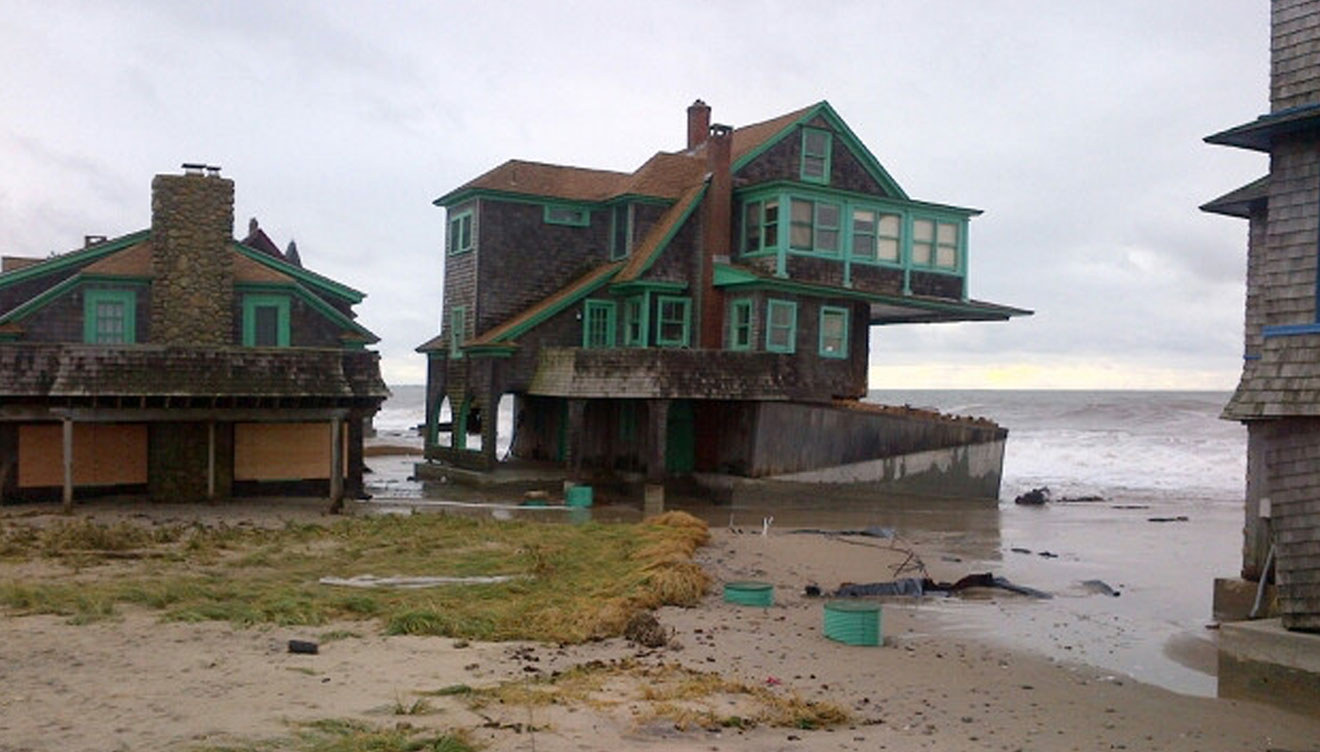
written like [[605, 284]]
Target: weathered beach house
[[1278, 397], [181, 363], [706, 316]]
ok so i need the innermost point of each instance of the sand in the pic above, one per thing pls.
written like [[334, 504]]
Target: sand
[[136, 684]]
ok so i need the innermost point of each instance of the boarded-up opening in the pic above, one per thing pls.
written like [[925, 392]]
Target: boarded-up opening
[[104, 454], [283, 451]]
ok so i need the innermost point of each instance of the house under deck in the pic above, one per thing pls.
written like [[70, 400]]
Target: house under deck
[[647, 414]]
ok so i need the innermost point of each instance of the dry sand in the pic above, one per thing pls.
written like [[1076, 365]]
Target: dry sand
[[135, 684]]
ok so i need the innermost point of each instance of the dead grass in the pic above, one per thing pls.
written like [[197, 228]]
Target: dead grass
[[586, 580], [683, 696], [340, 735]]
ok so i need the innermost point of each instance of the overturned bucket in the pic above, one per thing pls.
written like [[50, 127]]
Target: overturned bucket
[[749, 593], [578, 496], [853, 622]]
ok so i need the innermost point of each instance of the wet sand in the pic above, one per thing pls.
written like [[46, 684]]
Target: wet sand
[[1154, 631], [136, 684]]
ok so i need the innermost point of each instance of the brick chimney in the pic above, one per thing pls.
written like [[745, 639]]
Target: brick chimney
[[1294, 68], [698, 122], [192, 224], [717, 231]]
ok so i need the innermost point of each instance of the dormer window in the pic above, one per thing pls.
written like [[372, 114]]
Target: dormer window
[[567, 215], [108, 317], [816, 155]]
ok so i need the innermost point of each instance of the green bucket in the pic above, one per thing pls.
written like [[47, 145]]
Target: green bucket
[[853, 622], [578, 496], [749, 593]]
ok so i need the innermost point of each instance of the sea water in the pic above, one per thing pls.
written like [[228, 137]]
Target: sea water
[[1138, 455]]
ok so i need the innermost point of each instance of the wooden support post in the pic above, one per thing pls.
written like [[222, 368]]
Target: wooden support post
[[657, 435], [577, 410], [68, 465], [336, 465], [210, 460]]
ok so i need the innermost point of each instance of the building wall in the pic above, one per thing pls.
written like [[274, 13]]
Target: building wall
[[1257, 226], [1294, 42], [192, 221], [843, 436], [524, 259], [1292, 465], [62, 319], [1288, 274], [461, 270]]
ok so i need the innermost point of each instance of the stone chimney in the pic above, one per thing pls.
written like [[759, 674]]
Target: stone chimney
[[698, 123], [192, 224], [1294, 66], [717, 231]]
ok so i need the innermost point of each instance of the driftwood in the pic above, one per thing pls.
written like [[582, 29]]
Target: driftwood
[[372, 581]]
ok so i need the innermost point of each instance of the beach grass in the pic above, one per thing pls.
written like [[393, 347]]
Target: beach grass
[[676, 694], [568, 583], [343, 735]]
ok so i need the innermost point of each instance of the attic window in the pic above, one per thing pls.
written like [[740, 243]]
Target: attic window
[[816, 155], [265, 321], [567, 215], [460, 233]]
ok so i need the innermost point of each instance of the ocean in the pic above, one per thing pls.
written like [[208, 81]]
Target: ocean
[[1143, 455]]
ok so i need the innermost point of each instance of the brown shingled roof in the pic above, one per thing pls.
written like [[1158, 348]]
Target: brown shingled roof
[[539, 179], [133, 261], [749, 137]]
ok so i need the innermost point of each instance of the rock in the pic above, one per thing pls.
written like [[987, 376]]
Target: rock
[[1034, 497], [644, 629], [305, 647]]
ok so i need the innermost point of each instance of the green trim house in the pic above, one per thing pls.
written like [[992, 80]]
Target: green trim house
[[661, 323], [181, 363]]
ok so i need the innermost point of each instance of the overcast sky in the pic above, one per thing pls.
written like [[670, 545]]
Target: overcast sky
[[1075, 126]]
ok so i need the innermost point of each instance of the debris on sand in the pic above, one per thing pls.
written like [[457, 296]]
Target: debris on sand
[[1035, 497]]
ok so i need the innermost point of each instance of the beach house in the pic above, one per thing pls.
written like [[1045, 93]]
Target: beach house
[[181, 363], [707, 314], [1278, 396]]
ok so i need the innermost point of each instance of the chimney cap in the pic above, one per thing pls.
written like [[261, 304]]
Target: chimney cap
[[198, 168], [699, 103]]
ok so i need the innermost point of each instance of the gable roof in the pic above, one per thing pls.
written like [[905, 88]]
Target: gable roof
[[657, 239], [762, 136], [73, 258]]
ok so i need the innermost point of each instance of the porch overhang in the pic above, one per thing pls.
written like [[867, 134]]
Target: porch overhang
[[884, 308]]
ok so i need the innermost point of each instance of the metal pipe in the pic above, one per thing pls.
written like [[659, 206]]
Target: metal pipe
[[1260, 588]]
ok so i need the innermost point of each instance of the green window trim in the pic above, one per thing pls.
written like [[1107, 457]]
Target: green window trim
[[673, 321], [461, 238], [598, 324], [635, 321], [740, 324], [781, 326], [110, 317], [621, 230], [457, 330], [815, 166], [760, 226], [253, 308], [560, 214], [937, 244], [833, 332]]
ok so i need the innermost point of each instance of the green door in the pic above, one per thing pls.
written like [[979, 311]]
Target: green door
[[680, 448]]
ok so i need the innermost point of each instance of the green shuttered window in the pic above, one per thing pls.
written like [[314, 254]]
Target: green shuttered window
[[110, 317]]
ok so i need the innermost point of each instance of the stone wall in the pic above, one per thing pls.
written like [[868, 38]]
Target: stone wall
[[192, 221]]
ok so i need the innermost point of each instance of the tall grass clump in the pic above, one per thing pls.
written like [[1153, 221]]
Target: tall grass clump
[[567, 583]]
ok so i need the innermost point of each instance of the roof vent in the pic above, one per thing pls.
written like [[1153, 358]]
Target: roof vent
[[91, 240]]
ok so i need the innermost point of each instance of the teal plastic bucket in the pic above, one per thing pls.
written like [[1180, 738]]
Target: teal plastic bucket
[[578, 496], [853, 622], [749, 593]]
